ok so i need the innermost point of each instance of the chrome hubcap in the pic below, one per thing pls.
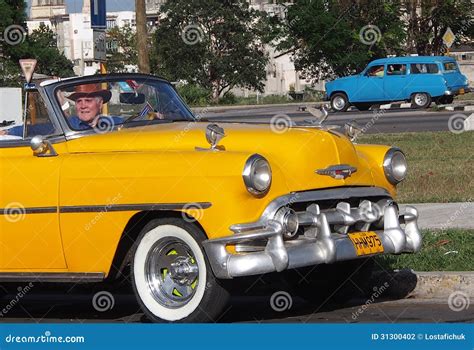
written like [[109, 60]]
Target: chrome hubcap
[[339, 103], [421, 99], [171, 272]]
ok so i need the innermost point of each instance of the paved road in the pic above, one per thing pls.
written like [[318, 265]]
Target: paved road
[[44, 305], [385, 121]]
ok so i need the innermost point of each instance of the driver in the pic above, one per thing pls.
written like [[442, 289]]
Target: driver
[[89, 100]]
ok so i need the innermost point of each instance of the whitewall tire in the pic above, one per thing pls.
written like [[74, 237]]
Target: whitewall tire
[[172, 278]]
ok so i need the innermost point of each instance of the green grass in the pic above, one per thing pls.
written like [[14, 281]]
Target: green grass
[[450, 250], [440, 165]]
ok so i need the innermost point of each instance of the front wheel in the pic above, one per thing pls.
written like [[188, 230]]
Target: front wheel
[[421, 100], [339, 102], [172, 278]]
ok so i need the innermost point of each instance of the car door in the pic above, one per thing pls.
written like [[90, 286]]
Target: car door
[[30, 238], [395, 82], [370, 85]]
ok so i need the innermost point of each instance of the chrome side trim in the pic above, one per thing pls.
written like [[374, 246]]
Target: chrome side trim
[[106, 208], [129, 207], [37, 210], [76, 277]]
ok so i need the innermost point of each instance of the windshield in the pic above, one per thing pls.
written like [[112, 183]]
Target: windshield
[[128, 102]]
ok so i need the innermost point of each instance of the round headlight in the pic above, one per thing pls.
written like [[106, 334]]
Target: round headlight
[[257, 175], [395, 166]]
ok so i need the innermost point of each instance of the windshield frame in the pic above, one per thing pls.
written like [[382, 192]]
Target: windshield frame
[[52, 89]]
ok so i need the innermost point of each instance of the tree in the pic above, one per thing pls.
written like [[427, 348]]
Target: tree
[[41, 44], [16, 44], [216, 44], [428, 20], [142, 37], [12, 33], [124, 49], [336, 38]]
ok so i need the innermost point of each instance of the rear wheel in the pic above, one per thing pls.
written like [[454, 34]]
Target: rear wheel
[[421, 100], [172, 278], [363, 106], [339, 102], [445, 100]]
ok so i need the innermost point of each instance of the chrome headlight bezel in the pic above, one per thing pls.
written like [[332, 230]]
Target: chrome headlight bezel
[[250, 175], [395, 166]]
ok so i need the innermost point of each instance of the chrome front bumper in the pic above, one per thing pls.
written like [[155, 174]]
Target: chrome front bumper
[[264, 246]]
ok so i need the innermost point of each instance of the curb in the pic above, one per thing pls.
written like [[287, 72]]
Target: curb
[[427, 285]]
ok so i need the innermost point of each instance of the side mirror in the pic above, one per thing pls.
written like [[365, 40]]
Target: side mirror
[[42, 147], [132, 98]]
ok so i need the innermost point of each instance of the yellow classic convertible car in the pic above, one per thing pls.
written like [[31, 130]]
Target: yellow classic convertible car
[[111, 173]]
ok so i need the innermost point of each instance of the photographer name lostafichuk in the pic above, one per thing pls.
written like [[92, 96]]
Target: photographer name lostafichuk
[[445, 336]]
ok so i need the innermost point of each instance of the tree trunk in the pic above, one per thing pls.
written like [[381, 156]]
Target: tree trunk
[[142, 37]]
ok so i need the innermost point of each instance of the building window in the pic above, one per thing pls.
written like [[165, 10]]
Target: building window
[[111, 23], [112, 46]]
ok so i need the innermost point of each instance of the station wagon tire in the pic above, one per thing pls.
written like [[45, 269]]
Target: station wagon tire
[[444, 100], [339, 102], [172, 278], [362, 106], [421, 100]]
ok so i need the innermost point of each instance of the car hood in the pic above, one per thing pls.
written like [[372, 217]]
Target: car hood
[[292, 152]]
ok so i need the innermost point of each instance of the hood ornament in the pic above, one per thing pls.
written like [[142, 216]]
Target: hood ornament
[[338, 172], [320, 115], [214, 133], [352, 130]]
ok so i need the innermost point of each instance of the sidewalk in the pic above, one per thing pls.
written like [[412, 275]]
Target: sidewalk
[[444, 215]]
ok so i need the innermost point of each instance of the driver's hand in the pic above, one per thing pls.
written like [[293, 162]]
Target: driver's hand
[[3, 132]]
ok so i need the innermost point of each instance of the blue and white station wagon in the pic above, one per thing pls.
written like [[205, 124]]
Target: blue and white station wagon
[[419, 79]]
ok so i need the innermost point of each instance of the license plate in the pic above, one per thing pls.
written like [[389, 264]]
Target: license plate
[[461, 91], [366, 243]]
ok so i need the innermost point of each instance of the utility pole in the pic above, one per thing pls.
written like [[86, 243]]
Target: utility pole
[[142, 37]]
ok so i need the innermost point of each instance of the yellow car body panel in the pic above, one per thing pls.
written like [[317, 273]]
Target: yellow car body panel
[[163, 164], [168, 163]]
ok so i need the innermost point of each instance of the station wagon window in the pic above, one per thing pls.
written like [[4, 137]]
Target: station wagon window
[[38, 121], [450, 66], [129, 102], [424, 68], [396, 69], [375, 71]]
